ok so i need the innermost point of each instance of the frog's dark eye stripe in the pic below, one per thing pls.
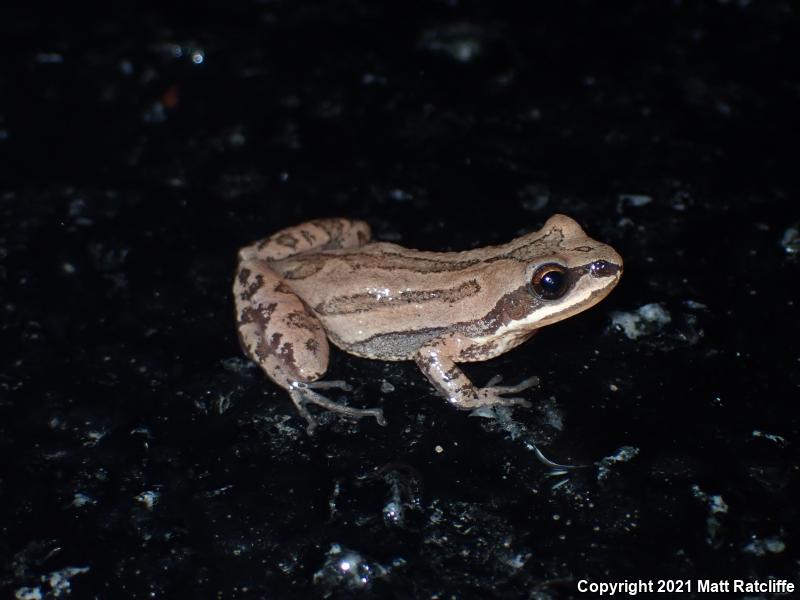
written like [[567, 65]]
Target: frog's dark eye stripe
[[549, 281]]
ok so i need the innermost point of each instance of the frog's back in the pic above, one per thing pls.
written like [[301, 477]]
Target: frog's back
[[384, 301]]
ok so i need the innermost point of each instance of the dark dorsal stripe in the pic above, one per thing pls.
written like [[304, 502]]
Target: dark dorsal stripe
[[345, 305]]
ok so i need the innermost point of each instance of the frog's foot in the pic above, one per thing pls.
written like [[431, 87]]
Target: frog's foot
[[492, 394], [303, 393]]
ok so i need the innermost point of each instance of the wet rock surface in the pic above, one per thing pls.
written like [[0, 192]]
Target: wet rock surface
[[143, 456]]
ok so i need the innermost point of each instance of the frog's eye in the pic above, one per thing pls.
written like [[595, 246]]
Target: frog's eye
[[549, 281]]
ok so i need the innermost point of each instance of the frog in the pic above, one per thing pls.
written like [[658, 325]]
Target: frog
[[326, 282]]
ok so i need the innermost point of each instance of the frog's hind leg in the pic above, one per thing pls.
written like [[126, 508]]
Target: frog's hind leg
[[279, 333], [303, 393], [317, 235]]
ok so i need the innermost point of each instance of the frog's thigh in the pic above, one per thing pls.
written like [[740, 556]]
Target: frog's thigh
[[318, 235], [275, 328]]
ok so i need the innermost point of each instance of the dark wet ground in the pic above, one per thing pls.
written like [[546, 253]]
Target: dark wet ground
[[142, 456]]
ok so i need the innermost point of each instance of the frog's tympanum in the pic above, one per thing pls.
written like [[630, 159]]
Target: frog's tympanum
[[325, 280]]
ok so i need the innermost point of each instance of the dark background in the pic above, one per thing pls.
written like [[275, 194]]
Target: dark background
[[142, 456]]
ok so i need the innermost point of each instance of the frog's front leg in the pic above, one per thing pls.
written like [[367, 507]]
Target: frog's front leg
[[278, 332], [436, 361]]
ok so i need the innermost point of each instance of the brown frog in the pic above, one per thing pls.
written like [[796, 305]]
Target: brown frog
[[325, 280]]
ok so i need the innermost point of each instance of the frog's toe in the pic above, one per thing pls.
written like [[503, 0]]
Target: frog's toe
[[494, 381], [326, 385], [491, 397], [500, 401], [511, 389], [525, 384], [300, 404], [494, 395]]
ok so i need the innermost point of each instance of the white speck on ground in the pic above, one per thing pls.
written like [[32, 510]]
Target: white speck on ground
[[772, 437], [637, 323], [623, 454], [760, 547], [634, 200], [58, 581], [790, 242], [149, 498]]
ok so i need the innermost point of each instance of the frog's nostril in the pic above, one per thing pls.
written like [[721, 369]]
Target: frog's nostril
[[603, 268]]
